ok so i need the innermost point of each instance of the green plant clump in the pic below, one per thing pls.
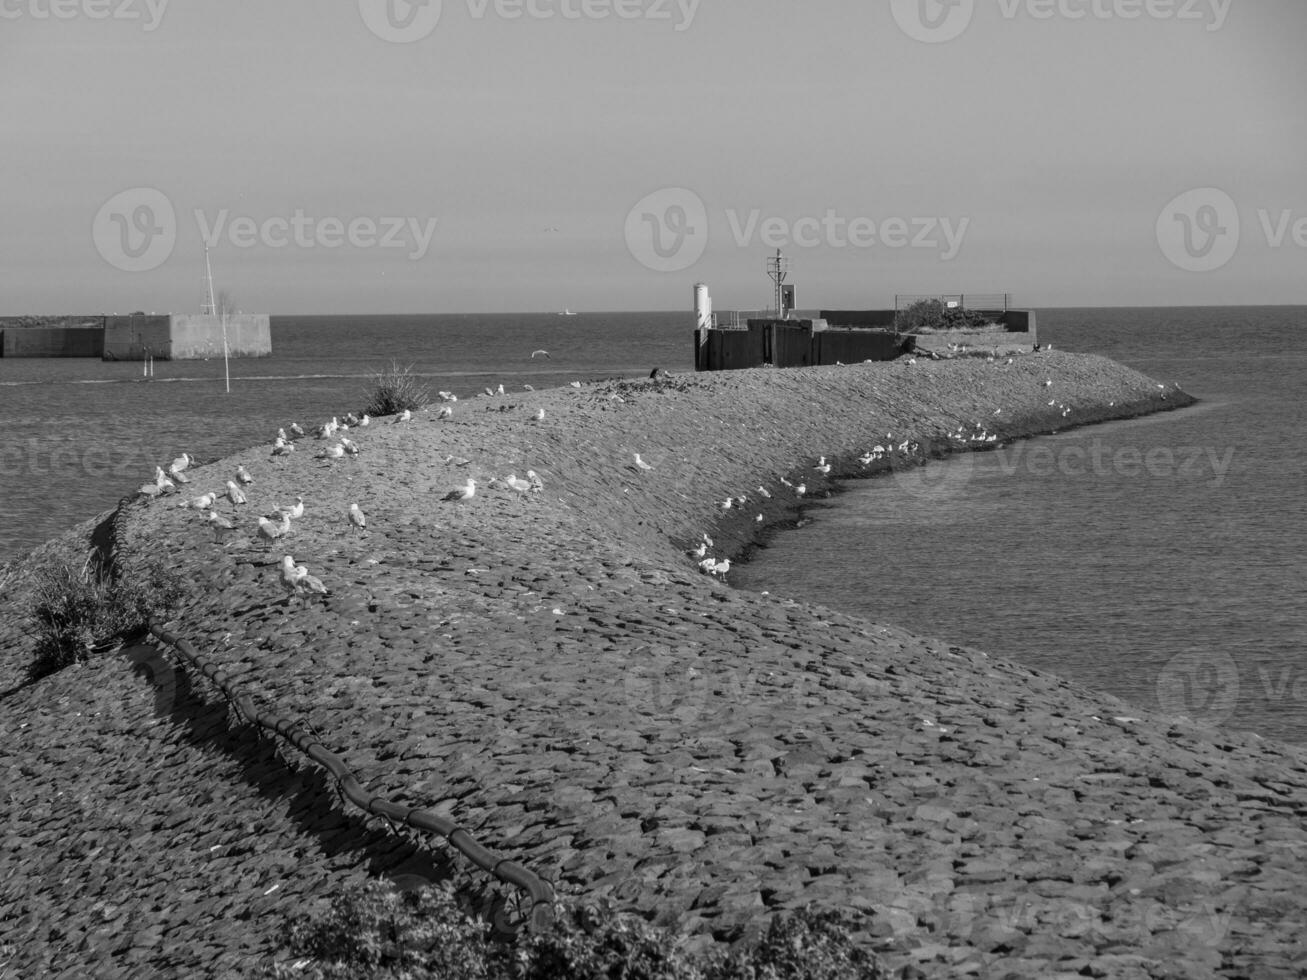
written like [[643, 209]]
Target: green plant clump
[[80, 613], [378, 933], [927, 315], [396, 389]]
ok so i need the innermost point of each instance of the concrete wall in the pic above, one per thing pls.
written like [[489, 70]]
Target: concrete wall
[[185, 336], [52, 342]]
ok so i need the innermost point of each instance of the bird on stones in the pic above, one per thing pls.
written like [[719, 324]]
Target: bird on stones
[[529, 388], [295, 510], [162, 481], [203, 502], [270, 532], [726, 504], [178, 475], [822, 467], [758, 519], [404, 416], [698, 552], [1048, 383], [289, 576], [365, 420], [243, 475], [641, 464], [801, 489], [307, 585], [445, 412], [456, 461], [540, 353], [220, 525], [517, 483], [489, 390], [766, 494], [536, 484], [332, 452], [281, 434], [539, 415], [351, 418], [576, 384], [349, 445], [235, 494], [465, 492], [181, 462], [295, 429], [357, 519], [500, 389], [786, 482], [707, 540]]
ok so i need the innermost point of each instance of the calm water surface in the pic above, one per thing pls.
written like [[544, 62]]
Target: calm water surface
[[1160, 559]]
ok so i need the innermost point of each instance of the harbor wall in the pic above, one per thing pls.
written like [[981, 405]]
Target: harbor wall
[[51, 342], [185, 336]]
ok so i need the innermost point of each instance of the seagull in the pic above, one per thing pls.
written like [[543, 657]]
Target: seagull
[[295, 510], [456, 461], [281, 447], [235, 494], [801, 489], [445, 412], [698, 552], [281, 434], [203, 502], [349, 445], [332, 452], [221, 525], [489, 390], [290, 576], [726, 504], [243, 475], [528, 387], [517, 483], [1048, 383], [351, 418], [786, 482], [306, 584], [366, 420], [576, 384], [295, 428], [758, 519], [641, 463], [462, 493], [404, 416], [357, 519], [765, 493], [500, 389], [270, 532], [181, 462], [536, 485], [708, 565], [822, 467], [539, 415], [540, 353]]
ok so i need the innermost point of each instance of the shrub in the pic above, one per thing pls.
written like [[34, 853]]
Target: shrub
[[377, 933], [927, 315], [396, 389], [79, 613]]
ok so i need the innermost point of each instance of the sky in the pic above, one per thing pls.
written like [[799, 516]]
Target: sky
[[454, 156]]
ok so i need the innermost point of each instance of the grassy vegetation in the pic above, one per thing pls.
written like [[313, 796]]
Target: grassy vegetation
[[930, 315], [79, 613], [395, 389], [377, 933]]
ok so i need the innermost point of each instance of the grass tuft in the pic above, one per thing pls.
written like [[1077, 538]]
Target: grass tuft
[[395, 389]]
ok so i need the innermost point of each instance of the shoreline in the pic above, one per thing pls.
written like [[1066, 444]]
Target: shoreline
[[553, 670]]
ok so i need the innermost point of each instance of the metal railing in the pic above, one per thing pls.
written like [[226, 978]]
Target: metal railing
[[539, 893]]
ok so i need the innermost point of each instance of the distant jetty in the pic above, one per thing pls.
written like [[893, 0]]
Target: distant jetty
[[138, 336]]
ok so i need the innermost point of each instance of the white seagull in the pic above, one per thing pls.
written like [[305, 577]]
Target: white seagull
[[203, 502], [641, 463], [517, 483], [181, 462], [270, 532], [539, 415], [540, 353], [235, 494], [221, 525], [295, 428], [460, 494], [243, 475], [822, 467], [357, 519], [534, 477], [445, 412], [295, 510]]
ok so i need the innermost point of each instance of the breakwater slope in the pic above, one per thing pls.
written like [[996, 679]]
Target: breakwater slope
[[550, 669]]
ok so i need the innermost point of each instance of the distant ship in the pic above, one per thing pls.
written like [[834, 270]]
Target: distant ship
[[567, 312]]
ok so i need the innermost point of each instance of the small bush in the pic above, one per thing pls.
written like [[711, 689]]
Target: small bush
[[377, 933], [79, 613], [928, 315], [396, 389]]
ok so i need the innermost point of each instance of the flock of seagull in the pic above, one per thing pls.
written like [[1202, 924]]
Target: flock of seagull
[[296, 579]]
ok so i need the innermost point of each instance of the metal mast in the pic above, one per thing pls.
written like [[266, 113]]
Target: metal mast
[[778, 267]]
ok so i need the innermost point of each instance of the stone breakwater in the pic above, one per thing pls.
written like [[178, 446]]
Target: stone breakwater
[[553, 672]]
